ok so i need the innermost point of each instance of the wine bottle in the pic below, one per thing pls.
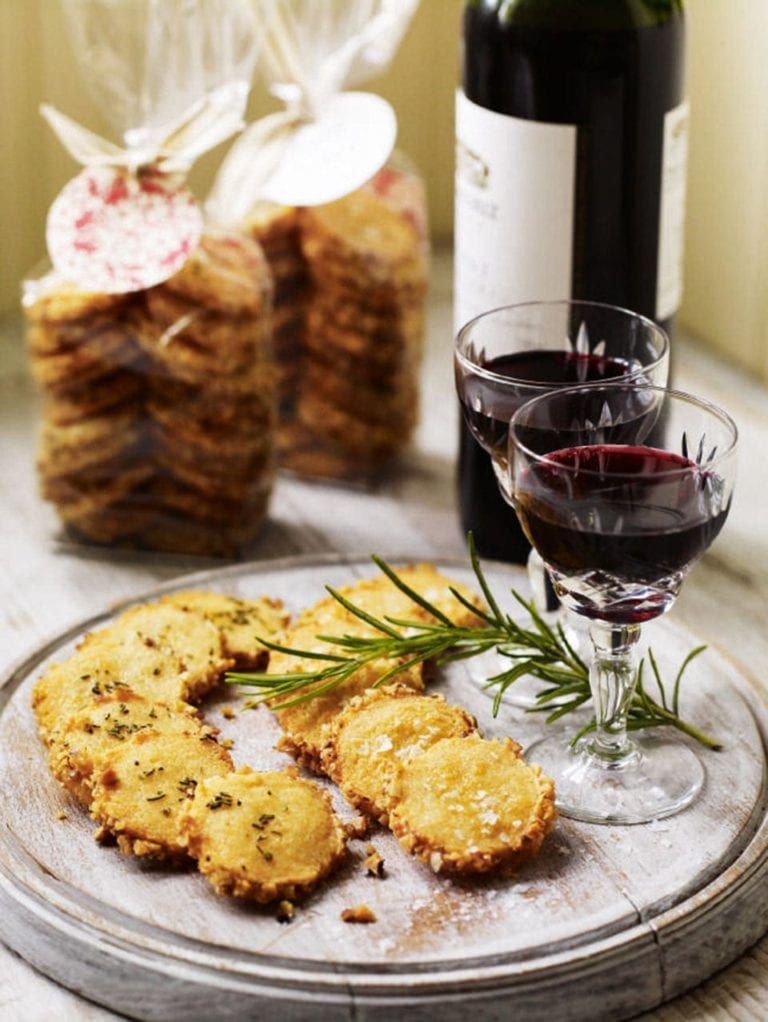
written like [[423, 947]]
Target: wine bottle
[[571, 140]]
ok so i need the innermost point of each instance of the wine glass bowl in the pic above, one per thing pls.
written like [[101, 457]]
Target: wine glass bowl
[[506, 356], [620, 488], [509, 355]]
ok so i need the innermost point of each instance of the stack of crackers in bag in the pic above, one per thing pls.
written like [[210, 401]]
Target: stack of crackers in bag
[[158, 405], [349, 317], [343, 224], [150, 338]]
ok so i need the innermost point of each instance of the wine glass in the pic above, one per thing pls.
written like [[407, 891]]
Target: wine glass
[[507, 356], [620, 488]]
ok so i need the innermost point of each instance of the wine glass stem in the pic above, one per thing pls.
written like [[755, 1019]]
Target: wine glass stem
[[612, 679]]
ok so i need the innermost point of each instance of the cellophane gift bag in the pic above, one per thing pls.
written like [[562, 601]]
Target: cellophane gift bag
[[342, 221], [150, 336]]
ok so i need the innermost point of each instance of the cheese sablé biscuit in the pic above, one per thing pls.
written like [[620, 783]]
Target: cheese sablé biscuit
[[378, 440], [55, 338], [468, 805], [140, 788], [227, 272], [77, 746], [95, 358], [306, 724], [380, 732], [76, 686], [65, 449], [378, 595], [165, 652], [209, 435], [360, 233], [53, 300], [240, 621], [116, 392], [182, 357], [262, 836]]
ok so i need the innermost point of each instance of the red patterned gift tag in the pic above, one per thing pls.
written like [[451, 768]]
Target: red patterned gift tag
[[114, 231]]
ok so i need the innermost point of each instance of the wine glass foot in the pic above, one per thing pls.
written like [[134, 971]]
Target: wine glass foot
[[658, 778]]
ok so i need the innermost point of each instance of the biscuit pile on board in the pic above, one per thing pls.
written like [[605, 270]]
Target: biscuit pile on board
[[355, 318], [124, 736], [461, 804], [158, 406]]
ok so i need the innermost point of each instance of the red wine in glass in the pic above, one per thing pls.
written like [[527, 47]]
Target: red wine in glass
[[488, 408], [620, 488], [623, 523]]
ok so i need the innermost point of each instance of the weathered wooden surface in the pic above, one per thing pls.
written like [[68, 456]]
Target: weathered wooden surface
[[590, 918], [44, 589]]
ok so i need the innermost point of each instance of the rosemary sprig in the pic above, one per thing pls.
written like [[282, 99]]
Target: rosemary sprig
[[536, 650]]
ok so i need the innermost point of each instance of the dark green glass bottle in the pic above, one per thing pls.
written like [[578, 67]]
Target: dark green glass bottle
[[571, 129]]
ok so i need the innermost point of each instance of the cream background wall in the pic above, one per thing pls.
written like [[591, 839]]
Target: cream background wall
[[726, 277]]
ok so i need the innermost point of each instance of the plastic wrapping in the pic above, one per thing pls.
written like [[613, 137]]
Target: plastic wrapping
[[350, 273], [150, 339]]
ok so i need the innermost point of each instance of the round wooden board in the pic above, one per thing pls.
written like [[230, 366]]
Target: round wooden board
[[609, 921]]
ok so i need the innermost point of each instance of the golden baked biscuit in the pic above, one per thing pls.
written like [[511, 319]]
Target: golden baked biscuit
[[262, 836], [101, 498], [215, 436], [361, 232], [272, 224], [117, 392], [178, 353], [205, 329], [114, 523], [227, 272], [141, 787], [74, 687], [306, 724], [231, 491], [370, 402], [378, 595], [175, 533], [468, 806], [378, 733], [95, 358], [78, 744], [165, 653], [55, 338], [55, 300], [307, 455], [241, 622], [226, 513], [379, 441], [66, 449]]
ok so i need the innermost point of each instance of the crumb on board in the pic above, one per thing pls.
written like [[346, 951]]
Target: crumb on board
[[61, 815], [373, 862], [358, 914], [285, 911], [357, 828], [228, 713]]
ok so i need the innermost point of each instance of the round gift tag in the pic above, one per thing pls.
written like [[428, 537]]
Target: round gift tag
[[336, 153], [113, 231]]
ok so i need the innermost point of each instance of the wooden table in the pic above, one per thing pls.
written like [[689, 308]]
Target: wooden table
[[44, 587]]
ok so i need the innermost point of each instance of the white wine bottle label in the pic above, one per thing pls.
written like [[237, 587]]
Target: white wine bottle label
[[514, 209], [669, 275]]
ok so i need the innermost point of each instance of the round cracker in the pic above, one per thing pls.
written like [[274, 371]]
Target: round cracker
[[468, 805], [263, 836]]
